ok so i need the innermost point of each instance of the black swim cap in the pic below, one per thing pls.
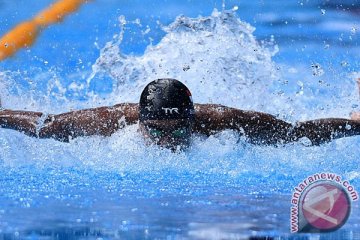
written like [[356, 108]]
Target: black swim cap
[[166, 99]]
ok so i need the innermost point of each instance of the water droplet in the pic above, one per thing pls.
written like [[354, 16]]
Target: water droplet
[[305, 141], [122, 20], [327, 46], [317, 69], [301, 88], [348, 127], [301, 92], [235, 8], [353, 30], [344, 63], [147, 30], [186, 68], [137, 21], [323, 11]]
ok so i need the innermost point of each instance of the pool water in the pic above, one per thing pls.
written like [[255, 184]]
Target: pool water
[[296, 60]]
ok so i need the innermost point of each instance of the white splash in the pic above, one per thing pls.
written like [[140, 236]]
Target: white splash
[[217, 57], [221, 61]]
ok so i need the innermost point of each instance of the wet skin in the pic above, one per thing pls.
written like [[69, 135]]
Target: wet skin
[[355, 116], [258, 128]]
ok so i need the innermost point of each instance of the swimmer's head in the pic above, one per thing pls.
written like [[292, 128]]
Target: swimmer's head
[[167, 113]]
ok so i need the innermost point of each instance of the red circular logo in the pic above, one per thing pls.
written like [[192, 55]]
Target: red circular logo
[[326, 206]]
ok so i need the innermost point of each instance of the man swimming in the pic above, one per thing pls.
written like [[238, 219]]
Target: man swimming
[[167, 117]]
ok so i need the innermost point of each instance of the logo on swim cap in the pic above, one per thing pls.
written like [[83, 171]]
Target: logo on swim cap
[[166, 99], [171, 110]]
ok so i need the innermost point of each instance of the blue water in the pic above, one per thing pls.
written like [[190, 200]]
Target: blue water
[[256, 55]]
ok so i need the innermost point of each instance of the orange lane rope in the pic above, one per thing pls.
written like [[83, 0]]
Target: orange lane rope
[[25, 34]]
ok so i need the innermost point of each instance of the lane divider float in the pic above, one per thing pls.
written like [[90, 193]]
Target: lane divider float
[[25, 33]]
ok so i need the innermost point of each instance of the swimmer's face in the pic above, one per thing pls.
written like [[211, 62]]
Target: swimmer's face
[[172, 134]]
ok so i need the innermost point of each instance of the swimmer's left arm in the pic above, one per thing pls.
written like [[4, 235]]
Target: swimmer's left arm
[[355, 116], [257, 127], [262, 128], [324, 130]]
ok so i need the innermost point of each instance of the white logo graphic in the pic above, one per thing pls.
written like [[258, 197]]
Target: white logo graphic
[[320, 214], [170, 110]]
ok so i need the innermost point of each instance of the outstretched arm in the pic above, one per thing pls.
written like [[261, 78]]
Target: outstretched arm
[[324, 130], [259, 128], [356, 115], [262, 128], [95, 121]]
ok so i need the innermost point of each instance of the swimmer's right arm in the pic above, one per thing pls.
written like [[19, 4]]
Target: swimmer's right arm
[[355, 116], [102, 121]]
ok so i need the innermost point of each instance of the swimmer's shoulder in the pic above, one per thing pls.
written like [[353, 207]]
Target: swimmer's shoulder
[[215, 109], [129, 110]]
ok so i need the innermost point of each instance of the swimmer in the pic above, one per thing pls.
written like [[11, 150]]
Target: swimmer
[[167, 116], [356, 115]]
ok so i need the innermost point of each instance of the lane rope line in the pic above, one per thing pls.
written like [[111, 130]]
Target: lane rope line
[[24, 34]]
